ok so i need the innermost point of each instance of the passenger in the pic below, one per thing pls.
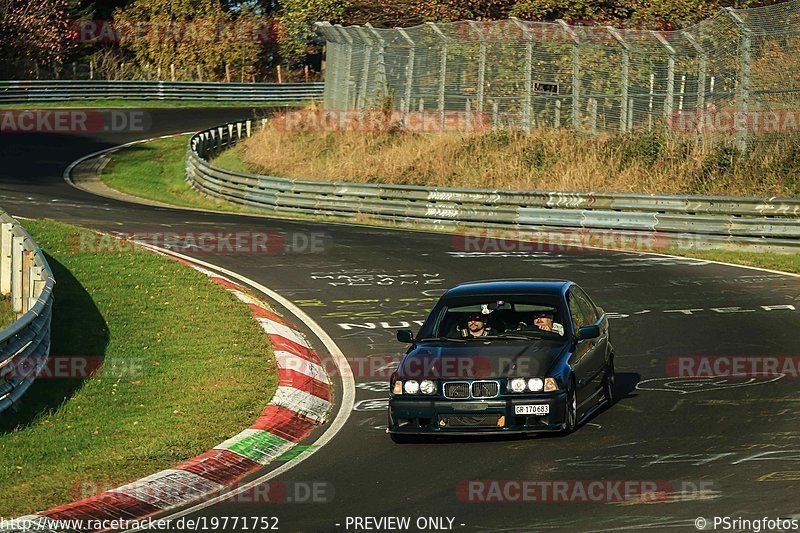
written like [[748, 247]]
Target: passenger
[[544, 321], [476, 326]]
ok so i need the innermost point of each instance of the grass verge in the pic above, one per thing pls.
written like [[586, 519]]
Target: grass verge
[[172, 384], [155, 170], [144, 103], [642, 162]]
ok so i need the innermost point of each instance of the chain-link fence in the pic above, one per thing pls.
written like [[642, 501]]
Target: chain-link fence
[[736, 72]]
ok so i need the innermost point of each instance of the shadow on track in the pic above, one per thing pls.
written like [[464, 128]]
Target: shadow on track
[[78, 330]]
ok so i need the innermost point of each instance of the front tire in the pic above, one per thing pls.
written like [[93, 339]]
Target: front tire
[[571, 409], [609, 381]]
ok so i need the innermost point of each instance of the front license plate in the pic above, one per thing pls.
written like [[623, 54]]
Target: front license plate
[[538, 409]]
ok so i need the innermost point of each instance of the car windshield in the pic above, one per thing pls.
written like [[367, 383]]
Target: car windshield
[[495, 318]]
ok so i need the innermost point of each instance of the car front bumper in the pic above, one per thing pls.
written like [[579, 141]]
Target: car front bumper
[[419, 415]]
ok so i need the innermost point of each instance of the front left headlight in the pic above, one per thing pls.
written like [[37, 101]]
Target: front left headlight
[[517, 385]]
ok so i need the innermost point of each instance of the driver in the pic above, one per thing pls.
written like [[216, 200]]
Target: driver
[[476, 326]]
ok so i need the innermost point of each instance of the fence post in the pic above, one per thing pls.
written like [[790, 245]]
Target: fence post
[[495, 116], [743, 85], [442, 70], [348, 63], [576, 74], [650, 103], [528, 87], [18, 243], [670, 94], [380, 71], [481, 64], [365, 75], [6, 237], [701, 70], [623, 81], [406, 103], [557, 115], [593, 116]]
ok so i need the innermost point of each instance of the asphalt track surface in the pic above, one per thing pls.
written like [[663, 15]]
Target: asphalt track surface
[[740, 443]]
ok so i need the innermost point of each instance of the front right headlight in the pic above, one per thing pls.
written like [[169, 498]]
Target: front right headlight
[[411, 387], [427, 386]]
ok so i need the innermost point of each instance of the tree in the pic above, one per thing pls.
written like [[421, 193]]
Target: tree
[[33, 33], [191, 34]]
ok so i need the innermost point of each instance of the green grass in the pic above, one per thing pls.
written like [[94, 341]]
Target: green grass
[[782, 262], [145, 103], [155, 170], [7, 316], [185, 366]]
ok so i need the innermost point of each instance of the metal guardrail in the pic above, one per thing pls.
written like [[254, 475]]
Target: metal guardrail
[[26, 277], [768, 224], [56, 90]]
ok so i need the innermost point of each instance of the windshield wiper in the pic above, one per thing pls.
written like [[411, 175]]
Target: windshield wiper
[[445, 339]]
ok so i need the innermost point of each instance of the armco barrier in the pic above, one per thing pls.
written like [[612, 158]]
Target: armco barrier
[[57, 90], [26, 278], [767, 224]]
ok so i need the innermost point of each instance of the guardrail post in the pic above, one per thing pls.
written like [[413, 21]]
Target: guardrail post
[[249, 128], [37, 285], [27, 281], [743, 83], [669, 96], [238, 131], [576, 74], [6, 237], [17, 248], [623, 81]]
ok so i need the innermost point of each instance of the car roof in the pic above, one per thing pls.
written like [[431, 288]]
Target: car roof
[[510, 286]]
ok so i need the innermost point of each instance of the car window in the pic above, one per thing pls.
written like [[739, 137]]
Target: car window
[[589, 310], [577, 312], [519, 315]]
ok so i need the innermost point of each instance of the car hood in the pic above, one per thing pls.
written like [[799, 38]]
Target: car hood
[[481, 359]]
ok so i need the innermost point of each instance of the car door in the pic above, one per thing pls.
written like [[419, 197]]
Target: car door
[[581, 355], [596, 354]]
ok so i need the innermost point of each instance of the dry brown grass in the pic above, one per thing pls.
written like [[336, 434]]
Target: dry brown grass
[[552, 160]]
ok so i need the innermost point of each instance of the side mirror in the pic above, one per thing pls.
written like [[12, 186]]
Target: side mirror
[[588, 332], [407, 336]]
